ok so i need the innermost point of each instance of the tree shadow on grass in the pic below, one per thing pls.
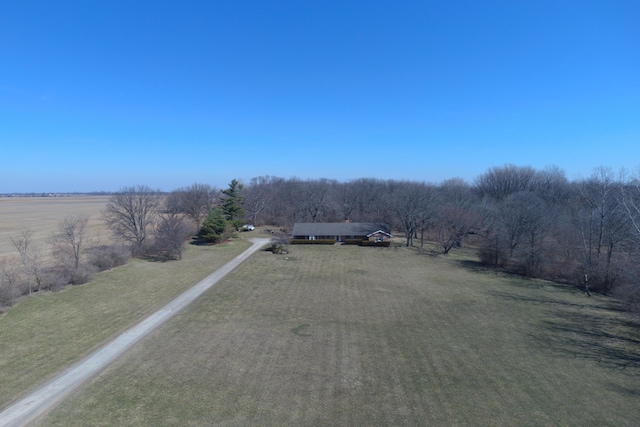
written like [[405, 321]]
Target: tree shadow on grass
[[597, 329], [611, 342], [198, 241], [633, 392], [544, 299]]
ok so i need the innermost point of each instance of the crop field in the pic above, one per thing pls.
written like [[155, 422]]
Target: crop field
[[43, 214], [351, 336]]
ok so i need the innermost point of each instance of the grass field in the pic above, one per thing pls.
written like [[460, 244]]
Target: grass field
[[350, 336], [46, 332], [43, 214]]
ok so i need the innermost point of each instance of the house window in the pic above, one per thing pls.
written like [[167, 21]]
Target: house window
[[380, 239], [312, 237]]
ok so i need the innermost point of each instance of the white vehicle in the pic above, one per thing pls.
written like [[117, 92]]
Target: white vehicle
[[248, 227]]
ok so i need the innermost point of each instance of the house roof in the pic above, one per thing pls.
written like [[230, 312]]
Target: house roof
[[379, 231], [337, 228]]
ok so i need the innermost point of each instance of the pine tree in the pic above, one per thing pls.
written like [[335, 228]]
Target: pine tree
[[232, 204], [214, 228]]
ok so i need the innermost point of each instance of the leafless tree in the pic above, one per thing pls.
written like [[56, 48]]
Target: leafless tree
[[367, 200], [629, 197], [31, 259], [499, 182], [170, 234], [313, 199], [256, 196], [414, 207], [68, 241], [552, 186], [534, 222], [8, 282], [603, 226], [456, 216], [194, 201], [130, 214]]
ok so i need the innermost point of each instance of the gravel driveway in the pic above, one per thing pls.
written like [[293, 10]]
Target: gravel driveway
[[47, 396]]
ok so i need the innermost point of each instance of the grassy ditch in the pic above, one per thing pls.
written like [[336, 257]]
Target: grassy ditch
[[44, 333], [374, 336]]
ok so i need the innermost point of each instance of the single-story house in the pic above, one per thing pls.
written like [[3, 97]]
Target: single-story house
[[342, 231]]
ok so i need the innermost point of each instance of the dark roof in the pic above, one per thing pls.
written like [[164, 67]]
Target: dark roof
[[337, 228]]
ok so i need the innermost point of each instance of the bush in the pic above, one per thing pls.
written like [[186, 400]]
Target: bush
[[379, 244], [353, 241], [313, 242], [279, 242], [105, 257], [8, 293]]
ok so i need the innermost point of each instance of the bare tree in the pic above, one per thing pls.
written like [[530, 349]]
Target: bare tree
[[414, 207], [130, 214], [456, 216], [603, 225], [31, 258], [255, 196], [171, 232], [194, 201], [8, 282], [499, 182], [533, 221], [314, 201], [629, 197], [68, 241]]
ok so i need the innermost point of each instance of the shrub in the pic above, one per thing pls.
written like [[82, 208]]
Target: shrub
[[353, 241], [105, 257], [8, 293], [313, 242], [279, 242], [379, 244]]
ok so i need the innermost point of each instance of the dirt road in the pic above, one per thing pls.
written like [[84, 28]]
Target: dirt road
[[47, 396]]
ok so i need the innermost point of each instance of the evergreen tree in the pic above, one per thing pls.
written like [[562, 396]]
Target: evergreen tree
[[214, 228], [232, 204]]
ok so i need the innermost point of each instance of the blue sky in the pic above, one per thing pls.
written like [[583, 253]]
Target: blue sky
[[97, 95]]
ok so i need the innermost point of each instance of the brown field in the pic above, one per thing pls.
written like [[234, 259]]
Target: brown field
[[350, 336], [43, 214]]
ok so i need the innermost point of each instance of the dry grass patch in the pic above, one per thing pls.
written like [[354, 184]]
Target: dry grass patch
[[44, 333], [365, 336]]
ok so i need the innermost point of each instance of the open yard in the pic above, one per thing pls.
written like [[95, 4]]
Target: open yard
[[372, 336], [43, 214], [47, 332]]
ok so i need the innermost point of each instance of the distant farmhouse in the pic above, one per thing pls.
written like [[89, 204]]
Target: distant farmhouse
[[343, 232]]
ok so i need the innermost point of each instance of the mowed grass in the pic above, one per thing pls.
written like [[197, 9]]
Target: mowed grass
[[45, 333], [349, 336], [42, 215]]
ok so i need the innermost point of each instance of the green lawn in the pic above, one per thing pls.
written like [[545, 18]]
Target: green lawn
[[44, 333], [355, 336]]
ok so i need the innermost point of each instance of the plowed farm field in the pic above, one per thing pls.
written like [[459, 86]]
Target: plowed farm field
[[42, 216]]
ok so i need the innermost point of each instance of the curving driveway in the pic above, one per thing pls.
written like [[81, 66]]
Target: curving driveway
[[44, 398]]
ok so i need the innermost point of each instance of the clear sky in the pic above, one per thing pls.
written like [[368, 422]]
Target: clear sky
[[97, 95]]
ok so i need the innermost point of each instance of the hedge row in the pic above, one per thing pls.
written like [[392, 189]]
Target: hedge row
[[381, 244], [353, 241], [313, 242], [358, 242]]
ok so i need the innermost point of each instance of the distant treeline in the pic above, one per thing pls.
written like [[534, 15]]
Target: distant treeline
[[530, 222], [72, 194]]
